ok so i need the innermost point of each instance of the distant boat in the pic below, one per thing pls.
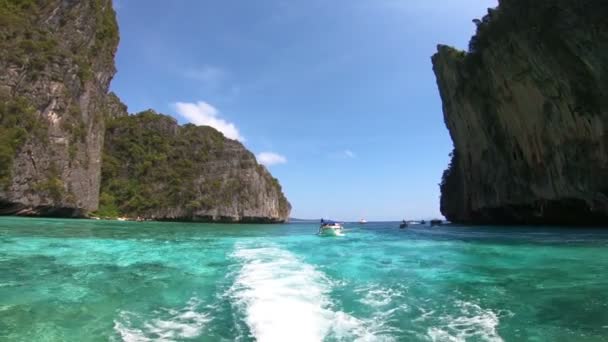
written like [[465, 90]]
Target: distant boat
[[423, 222], [403, 224], [362, 221], [436, 223], [330, 228]]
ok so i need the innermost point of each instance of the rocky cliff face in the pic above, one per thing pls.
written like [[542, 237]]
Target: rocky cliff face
[[527, 109], [155, 169], [57, 61]]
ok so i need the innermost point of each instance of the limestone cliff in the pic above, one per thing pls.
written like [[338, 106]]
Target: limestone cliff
[[56, 62], [527, 109], [156, 169]]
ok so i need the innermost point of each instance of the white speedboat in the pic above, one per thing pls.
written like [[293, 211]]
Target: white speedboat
[[362, 221], [330, 228]]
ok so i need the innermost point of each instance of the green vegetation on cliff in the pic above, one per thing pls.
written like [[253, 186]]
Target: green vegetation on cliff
[[148, 165], [26, 43], [142, 168], [538, 19], [52, 185], [107, 36], [553, 25], [22, 43], [18, 121], [153, 167], [13, 12]]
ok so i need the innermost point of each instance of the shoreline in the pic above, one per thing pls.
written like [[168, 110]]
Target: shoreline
[[131, 219]]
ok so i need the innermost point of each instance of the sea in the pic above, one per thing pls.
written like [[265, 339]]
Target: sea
[[85, 280]]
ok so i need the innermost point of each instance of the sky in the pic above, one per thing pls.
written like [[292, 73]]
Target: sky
[[336, 97]]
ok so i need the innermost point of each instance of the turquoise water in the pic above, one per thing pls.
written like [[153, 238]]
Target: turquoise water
[[76, 280]]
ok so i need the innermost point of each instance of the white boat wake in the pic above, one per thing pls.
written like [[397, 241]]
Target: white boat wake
[[286, 299], [473, 323], [170, 325]]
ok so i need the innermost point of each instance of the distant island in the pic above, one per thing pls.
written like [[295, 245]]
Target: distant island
[[297, 220], [68, 148], [527, 109]]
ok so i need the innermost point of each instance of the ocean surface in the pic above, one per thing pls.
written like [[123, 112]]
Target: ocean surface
[[81, 280]]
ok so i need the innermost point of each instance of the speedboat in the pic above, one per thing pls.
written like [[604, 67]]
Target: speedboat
[[362, 221], [330, 228]]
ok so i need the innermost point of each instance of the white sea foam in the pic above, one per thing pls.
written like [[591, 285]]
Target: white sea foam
[[6, 307], [379, 297], [171, 324], [386, 303], [473, 322], [128, 334], [9, 284], [286, 299]]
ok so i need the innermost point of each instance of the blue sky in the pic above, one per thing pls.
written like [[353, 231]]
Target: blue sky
[[338, 97]]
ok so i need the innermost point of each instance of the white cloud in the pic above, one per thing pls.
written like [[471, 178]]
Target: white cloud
[[350, 154], [203, 114], [271, 158]]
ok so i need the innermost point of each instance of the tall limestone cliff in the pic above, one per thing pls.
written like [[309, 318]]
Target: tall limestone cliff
[[56, 62], [56, 65], [527, 109], [155, 169]]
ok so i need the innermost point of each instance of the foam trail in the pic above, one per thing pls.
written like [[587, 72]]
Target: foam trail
[[285, 299], [379, 297], [473, 323], [172, 325]]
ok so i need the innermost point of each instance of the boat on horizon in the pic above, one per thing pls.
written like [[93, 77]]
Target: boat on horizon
[[330, 228], [436, 222], [362, 221]]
